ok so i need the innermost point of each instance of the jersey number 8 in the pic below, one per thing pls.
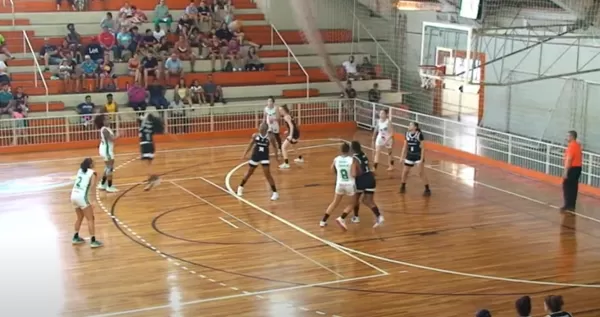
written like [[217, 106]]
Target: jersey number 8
[[344, 175]]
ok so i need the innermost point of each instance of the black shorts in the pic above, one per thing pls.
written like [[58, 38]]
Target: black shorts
[[255, 160], [366, 183], [295, 138], [147, 150], [412, 159]]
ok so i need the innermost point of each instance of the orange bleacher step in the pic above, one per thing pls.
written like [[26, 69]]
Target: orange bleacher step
[[28, 76], [277, 53], [17, 22], [41, 106], [23, 62], [250, 17], [281, 66], [300, 93], [106, 5]]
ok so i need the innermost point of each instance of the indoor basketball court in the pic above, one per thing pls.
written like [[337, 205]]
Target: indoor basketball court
[[191, 247]]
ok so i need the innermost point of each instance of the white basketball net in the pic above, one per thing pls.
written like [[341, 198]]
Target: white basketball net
[[428, 77]]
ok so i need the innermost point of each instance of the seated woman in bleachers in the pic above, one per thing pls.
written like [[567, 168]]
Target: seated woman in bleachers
[[253, 62], [196, 93], [162, 15], [183, 92], [204, 14], [233, 54], [136, 95], [133, 67], [21, 101], [6, 101], [178, 118], [109, 22], [69, 74], [108, 79]]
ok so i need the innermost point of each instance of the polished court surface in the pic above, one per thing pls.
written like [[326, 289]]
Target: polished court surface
[[190, 247]]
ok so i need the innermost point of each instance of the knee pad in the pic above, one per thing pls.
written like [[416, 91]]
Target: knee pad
[[108, 170]]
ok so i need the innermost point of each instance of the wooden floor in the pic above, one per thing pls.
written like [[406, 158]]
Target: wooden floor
[[190, 248]]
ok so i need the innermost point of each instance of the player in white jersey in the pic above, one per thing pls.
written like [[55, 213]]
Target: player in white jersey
[[383, 139], [346, 169], [107, 152], [272, 120], [80, 199]]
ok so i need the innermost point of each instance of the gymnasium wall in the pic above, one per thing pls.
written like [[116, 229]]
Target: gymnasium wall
[[543, 109]]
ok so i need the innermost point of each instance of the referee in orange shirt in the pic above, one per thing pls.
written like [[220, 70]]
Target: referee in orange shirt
[[572, 172]]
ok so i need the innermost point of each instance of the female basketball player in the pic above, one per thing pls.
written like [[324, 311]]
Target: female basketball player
[[107, 152], [259, 144], [346, 170], [272, 120], [149, 125], [413, 152], [79, 198], [383, 139], [293, 134], [365, 185]]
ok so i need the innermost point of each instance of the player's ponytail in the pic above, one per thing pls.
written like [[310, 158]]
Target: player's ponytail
[[416, 126], [86, 165], [356, 148], [285, 108], [99, 121]]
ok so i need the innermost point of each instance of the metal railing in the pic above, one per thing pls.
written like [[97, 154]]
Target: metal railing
[[38, 70], [356, 24], [73, 128], [12, 10], [504, 147], [290, 55], [515, 150]]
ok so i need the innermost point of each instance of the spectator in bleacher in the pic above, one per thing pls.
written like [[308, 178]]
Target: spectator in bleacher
[[224, 35], [183, 91], [126, 11], [196, 39], [95, 50], [165, 48], [173, 66], [69, 51], [6, 101], [111, 107], [89, 70], [125, 45], [183, 48], [158, 33], [108, 79], [136, 36], [136, 95], [50, 54], [150, 67], [73, 38], [133, 67], [70, 2], [553, 305], [66, 72], [367, 69], [523, 306], [185, 25], [86, 110], [139, 17], [4, 76], [350, 69], [149, 41], [349, 92], [253, 62], [162, 15], [197, 93], [108, 41], [109, 23], [233, 54], [21, 100], [214, 51], [205, 14], [374, 93], [192, 10], [177, 114], [213, 92], [3, 49], [156, 93]]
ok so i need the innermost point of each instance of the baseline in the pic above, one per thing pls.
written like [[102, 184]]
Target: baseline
[[384, 259]]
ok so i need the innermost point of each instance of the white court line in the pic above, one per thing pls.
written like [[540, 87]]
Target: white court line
[[376, 257], [228, 222], [230, 191], [434, 168], [246, 294], [270, 237], [161, 151]]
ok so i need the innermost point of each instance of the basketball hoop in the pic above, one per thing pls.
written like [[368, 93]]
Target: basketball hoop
[[430, 74]]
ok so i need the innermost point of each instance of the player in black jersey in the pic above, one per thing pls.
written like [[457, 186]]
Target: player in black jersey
[[414, 154], [149, 125], [259, 144], [293, 135], [365, 186]]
